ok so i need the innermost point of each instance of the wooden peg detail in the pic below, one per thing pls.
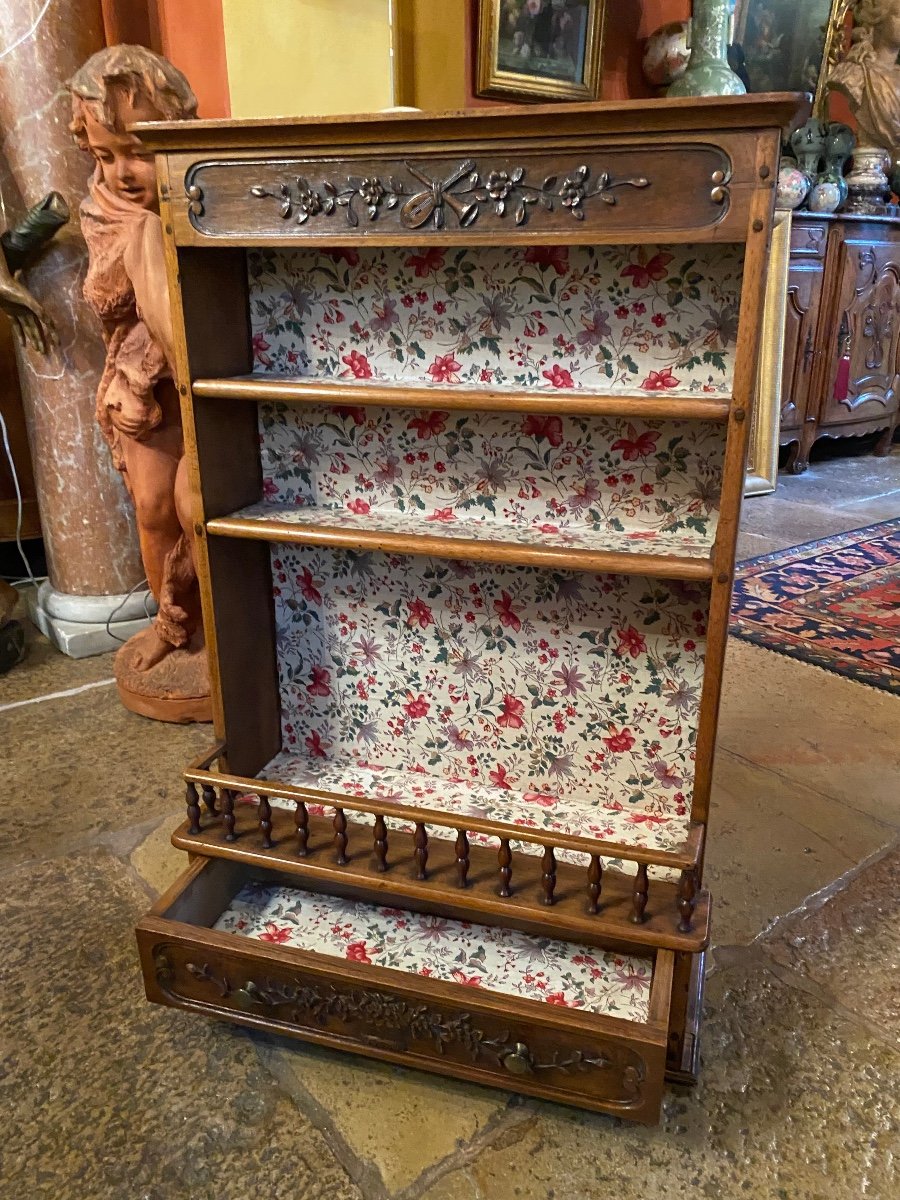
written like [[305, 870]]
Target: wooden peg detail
[[340, 837], [504, 857], [381, 843], [228, 814], [209, 798], [595, 882], [301, 821], [421, 855], [687, 891], [639, 895], [192, 798], [265, 822], [462, 857], [548, 874]]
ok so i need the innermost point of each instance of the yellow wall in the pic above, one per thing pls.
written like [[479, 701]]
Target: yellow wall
[[291, 58], [432, 46]]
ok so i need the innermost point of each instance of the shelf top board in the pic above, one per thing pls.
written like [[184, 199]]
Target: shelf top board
[[636, 117]]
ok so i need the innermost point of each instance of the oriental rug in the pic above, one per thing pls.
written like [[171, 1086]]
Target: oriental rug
[[834, 603]]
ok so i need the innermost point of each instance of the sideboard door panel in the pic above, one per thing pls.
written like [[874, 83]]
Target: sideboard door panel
[[801, 317], [862, 379]]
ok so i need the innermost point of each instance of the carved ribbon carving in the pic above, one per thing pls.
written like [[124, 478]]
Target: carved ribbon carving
[[299, 1003], [464, 190]]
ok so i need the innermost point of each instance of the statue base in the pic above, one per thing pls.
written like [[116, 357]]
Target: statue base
[[175, 689]]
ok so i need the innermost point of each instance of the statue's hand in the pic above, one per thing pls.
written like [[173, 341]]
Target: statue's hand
[[128, 413], [31, 323]]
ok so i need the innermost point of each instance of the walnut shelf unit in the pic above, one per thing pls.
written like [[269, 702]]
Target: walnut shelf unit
[[466, 479]]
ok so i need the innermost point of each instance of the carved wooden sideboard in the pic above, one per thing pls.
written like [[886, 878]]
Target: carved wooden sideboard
[[465, 397], [842, 336]]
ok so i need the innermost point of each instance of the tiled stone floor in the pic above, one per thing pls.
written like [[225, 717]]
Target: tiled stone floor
[[104, 1097]]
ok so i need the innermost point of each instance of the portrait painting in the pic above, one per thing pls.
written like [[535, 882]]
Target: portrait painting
[[788, 45], [540, 49]]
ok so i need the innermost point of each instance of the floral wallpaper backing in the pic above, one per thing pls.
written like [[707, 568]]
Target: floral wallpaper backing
[[571, 699], [608, 318], [555, 700], [501, 960], [579, 481]]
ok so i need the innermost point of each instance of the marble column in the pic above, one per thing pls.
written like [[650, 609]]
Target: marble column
[[88, 528]]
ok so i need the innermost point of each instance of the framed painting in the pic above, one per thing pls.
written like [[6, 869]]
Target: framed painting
[[789, 45], [762, 459], [540, 49]]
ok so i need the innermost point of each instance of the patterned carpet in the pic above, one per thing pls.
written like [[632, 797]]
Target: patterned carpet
[[833, 602]]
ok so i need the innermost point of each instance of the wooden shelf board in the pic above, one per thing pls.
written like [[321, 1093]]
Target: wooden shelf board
[[672, 405], [440, 893], [392, 532]]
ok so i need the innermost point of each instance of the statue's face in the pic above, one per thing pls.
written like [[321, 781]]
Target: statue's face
[[127, 167]]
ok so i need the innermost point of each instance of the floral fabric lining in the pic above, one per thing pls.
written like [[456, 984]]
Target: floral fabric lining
[[578, 817], [478, 956], [607, 318], [568, 684], [608, 482]]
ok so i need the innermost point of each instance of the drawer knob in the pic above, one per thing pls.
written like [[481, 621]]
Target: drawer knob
[[518, 1060]]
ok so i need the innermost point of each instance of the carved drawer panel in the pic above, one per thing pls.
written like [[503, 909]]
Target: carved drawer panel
[[809, 239], [475, 195], [416, 1014]]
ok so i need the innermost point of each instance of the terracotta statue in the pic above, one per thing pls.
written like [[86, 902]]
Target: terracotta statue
[[869, 76], [161, 672]]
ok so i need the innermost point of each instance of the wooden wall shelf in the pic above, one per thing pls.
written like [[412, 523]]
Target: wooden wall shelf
[[466, 480]]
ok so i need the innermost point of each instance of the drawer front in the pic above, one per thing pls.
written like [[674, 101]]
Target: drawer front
[[597, 1062], [809, 239], [474, 194]]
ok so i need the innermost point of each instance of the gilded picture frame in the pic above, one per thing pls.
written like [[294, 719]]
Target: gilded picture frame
[[540, 49], [791, 45], [762, 459]]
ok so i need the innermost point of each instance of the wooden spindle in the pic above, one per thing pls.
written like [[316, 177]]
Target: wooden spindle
[[639, 895], [381, 843], [209, 798], [265, 822], [340, 837], [504, 857], [687, 890], [548, 874], [462, 858], [228, 815], [192, 797], [595, 882], [421, 855], [301, 821]]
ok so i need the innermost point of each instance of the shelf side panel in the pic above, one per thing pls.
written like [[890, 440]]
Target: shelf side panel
[[222, 440]]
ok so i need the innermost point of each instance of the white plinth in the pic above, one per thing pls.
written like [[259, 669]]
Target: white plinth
[[77, 625]]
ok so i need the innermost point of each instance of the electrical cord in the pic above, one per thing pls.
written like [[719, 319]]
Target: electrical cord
[[29, 576], [121, 605]]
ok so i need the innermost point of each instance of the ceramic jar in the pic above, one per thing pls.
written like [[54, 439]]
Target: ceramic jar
[[793, 184], [827, 194], [666, 54]]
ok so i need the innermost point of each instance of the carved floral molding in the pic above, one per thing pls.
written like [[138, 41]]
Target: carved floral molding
[[302, 1003], [465, 191]]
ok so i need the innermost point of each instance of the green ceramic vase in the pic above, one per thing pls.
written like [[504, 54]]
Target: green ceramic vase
[[708, 72]]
